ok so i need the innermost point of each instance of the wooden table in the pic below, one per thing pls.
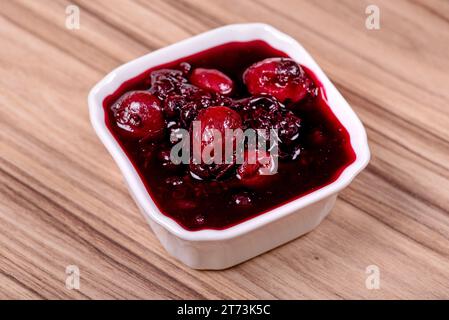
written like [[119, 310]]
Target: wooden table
[[63, 201]]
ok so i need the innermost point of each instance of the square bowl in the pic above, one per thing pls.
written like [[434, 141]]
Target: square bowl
[[219, 249]]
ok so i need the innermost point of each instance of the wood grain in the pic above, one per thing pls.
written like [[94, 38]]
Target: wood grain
[[63, 201]]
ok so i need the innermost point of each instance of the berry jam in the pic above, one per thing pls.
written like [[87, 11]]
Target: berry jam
[[239, 85]]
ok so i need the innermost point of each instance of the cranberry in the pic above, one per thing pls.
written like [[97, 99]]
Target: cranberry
[[188, 113], [258, 112], [217, 118], [178, 99], [189, 91], [189, 100], [172, 105], [288, 126], [139, 116], [267, 113], [195, 100], [258, 169], [167, 74], [282, 78], [166, 81], [212, 80]]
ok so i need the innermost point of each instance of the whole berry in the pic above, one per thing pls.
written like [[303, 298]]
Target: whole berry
[[212, 80], [282, 78], [139, 116]]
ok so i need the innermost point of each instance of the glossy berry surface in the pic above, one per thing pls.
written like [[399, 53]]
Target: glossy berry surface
[[281, 78], [212, 80], [215, 118], [138, 114], [235, 85]]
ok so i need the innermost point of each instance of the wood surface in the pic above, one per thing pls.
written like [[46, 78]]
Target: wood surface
[[63, 201]]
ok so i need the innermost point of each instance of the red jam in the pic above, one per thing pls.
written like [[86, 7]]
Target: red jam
[[235, 85]]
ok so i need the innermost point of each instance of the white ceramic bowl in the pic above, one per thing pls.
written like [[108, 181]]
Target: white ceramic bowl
[[219, 249]]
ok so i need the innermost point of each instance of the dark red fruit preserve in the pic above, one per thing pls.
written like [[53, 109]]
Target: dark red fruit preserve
[[236, 85]]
